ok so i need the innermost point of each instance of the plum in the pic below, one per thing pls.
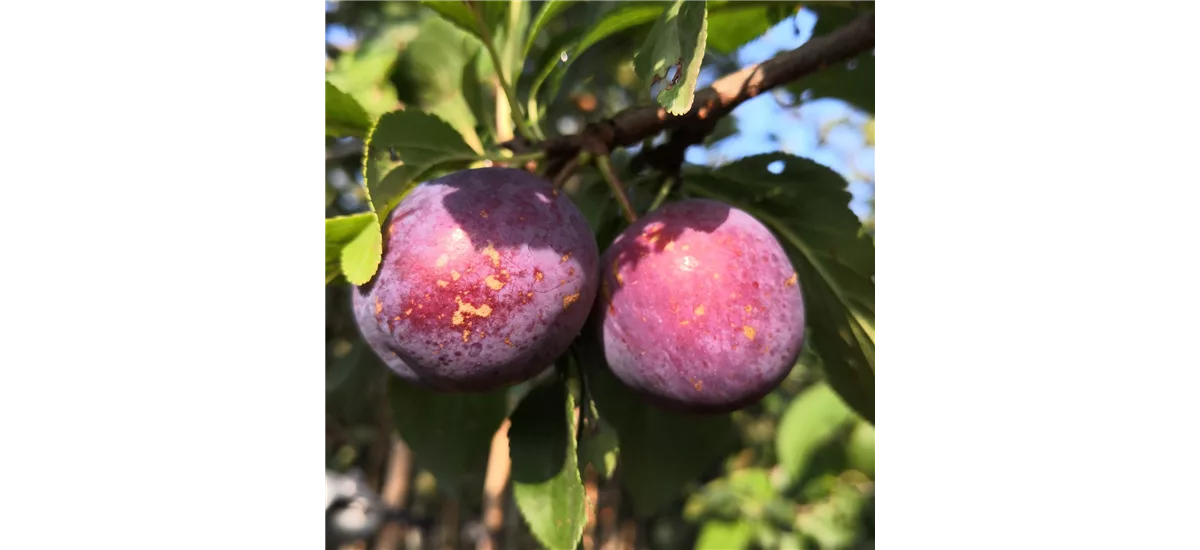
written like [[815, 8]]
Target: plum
[[487, 276], [363, 301], [700, 309]]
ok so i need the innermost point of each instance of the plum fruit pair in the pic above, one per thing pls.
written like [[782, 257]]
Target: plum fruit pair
[[489, 274]]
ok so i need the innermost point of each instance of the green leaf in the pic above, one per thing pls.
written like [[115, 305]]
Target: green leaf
[[812, 420], [545, 15], [673, 53], [836, 519], [449, 433], [600, 447], [725, 535], [480, 94], [343, 115], [457, 113], [661, 452], [362, 74], [741, 22], [852, 81], [421, 142], [455, 12], [807, 206], [624, 17], [429, 76], [545, 475], [860, 450], [753, 484], [509, 34], [353, 246]]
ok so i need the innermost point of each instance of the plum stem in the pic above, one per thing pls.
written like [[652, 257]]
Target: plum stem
[[569, 168], [667, 185], [518, 116], [524, 157], [618, 189]]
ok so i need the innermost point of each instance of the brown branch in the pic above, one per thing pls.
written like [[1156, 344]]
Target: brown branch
[[499, 467], [635, 124], [395, 491]]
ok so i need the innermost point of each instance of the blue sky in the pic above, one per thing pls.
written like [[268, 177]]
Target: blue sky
[[798, 129]]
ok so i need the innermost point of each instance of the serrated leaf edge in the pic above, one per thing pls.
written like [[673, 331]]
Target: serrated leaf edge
[[578, 535]]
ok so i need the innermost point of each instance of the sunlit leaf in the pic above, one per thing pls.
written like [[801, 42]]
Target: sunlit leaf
[[353, 246], [402, 147], [362, 73], [343, 115], [730, 29], [811, 421], [456, 12], [725, 535], [672, 55], [860, 450], [600, 445]]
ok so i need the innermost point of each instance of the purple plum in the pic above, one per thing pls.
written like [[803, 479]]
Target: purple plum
[[700, 308], [363, 301], [487, 276]]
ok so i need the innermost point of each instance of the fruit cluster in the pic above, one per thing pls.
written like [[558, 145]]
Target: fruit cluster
[[488, 275]]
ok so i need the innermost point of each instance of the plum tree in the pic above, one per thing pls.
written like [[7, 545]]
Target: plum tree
[[700, 308], [466, 283], [486, 278]]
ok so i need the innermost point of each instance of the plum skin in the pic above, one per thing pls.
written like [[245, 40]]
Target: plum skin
[[363, 302], [486, 278], [700, 309]]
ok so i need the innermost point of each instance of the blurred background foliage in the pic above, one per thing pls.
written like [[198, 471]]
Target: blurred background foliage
[[799, 470]]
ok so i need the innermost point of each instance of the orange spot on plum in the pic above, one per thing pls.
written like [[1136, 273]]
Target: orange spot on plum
[[568, 300], [748, 331], [537, 274], [483, 213], [442, 283], [443, 260], [492, 283], [699, 385], [699, 310], [466, 334], [491, 252], [565, 257], [791, 281], [455, 275]]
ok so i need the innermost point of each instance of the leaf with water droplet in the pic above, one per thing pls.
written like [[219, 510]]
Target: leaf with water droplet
[[620, 18], [673, 53], [547, 13]]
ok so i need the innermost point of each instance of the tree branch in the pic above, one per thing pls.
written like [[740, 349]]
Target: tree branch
[[632, 125]]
